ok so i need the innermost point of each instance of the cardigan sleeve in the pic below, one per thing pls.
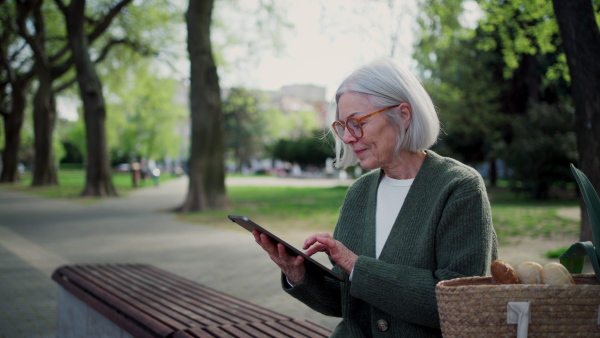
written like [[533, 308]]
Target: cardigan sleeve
[[318, 292], [464, 246]]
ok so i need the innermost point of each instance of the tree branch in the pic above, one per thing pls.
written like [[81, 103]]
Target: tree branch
[[65, 85], [61, 5], [105, 23]]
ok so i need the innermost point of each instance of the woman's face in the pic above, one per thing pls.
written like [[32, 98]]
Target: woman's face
[[375, 149]]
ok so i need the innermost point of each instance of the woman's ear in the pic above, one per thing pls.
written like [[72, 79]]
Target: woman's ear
[[405, 111]]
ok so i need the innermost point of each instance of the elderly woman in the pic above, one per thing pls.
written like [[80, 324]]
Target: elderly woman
[[414, 219]]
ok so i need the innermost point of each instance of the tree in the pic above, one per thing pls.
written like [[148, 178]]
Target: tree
[[542, 149], [16, 75], [541, 35], [145, 119], [206, 165], [44, 103], [307, 150], [468, 98], [98, 179], [581, 42], [243, 125]]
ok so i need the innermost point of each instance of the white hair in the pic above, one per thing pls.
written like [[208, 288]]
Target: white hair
[[387, 83]]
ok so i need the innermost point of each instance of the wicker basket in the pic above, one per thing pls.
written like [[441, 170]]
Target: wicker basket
[[474, 307]]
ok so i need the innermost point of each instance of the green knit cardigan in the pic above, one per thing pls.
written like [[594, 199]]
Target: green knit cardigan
[[443, 231]]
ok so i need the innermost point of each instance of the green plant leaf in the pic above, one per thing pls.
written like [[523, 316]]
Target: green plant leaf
[[574, 258], [592, 203]]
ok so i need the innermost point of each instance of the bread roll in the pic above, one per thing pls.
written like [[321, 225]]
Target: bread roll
[[529, 273], [503, 272], [556, 274]]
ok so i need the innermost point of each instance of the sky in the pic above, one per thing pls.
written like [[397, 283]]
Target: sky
[[330, 38]]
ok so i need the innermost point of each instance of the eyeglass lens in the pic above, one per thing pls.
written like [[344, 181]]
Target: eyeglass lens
[[353, 127]]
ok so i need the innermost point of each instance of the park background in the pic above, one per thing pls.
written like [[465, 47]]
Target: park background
[[211, 92]]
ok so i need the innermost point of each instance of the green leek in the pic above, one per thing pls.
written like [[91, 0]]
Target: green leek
[[574, 257]]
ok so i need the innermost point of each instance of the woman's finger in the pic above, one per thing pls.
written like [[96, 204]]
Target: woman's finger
[[316, 248], [313, 239]]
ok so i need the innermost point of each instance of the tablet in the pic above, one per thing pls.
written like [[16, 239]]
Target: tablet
[[247, 224]]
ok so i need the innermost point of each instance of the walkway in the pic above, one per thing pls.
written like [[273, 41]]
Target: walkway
[[37, 235]]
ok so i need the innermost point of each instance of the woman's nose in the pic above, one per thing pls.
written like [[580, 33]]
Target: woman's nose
[[348, 136]]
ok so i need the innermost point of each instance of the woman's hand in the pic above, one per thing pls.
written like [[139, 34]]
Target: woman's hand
[[292, 267], [341, 255]]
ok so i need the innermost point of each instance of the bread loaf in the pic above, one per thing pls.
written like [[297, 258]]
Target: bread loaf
[[556, 274], [503, 272], [529, 273]]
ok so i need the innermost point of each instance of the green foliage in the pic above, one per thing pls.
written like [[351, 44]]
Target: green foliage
[[290, 125], [484, 116], [144, 118], [541, 149], [244, 126], [72, 154], [556, 253], [465, 82], [305, 150], [525, 27], [73, 133], [573, 258], [468, 101]]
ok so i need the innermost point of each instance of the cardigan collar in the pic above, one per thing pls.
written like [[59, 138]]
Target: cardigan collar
[[411, 203]]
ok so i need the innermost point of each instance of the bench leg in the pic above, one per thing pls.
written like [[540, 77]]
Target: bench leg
[[76, 319]]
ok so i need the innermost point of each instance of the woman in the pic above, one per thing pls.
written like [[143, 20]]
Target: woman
[[416, 218]]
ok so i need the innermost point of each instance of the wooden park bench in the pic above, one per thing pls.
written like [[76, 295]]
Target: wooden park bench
[[140, 300]]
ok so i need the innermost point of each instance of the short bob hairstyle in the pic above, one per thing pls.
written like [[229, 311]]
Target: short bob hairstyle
[[386, 83]]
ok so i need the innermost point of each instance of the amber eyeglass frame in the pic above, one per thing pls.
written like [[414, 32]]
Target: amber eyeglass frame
[[358, 121]]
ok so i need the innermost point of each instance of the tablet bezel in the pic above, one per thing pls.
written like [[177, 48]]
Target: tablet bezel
[[249, 225]]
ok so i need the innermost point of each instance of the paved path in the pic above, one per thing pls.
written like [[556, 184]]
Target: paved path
[[37, 235]]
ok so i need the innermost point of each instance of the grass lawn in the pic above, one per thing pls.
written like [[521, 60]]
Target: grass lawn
[[316, 209], [521, 217], [278, 208], [285, 209], [71, 183]]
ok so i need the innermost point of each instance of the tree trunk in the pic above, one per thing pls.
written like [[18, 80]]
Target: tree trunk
[[13, 121], [98, 181], [581, 42], [493, 173], [44, 118], [29, 14], [206, 166]]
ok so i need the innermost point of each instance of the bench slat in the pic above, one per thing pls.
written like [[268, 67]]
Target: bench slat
[[167, 298], [308, 328], [149, 302], [209, 298], [127, 317], [232, 304], [148, 311]]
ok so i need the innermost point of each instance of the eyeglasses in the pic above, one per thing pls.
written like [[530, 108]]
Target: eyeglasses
[[354, 125]]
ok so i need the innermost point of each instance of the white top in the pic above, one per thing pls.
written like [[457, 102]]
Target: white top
[[390, 197]]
